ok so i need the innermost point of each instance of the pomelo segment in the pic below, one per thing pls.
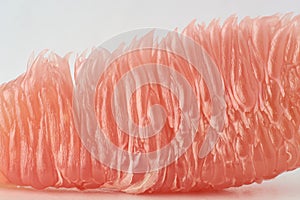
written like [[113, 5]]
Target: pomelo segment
[[259, 62]]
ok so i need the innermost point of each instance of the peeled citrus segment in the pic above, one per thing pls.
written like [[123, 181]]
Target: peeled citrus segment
[[111, 131]]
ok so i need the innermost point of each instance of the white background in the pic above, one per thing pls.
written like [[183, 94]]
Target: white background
[[74, 26]]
